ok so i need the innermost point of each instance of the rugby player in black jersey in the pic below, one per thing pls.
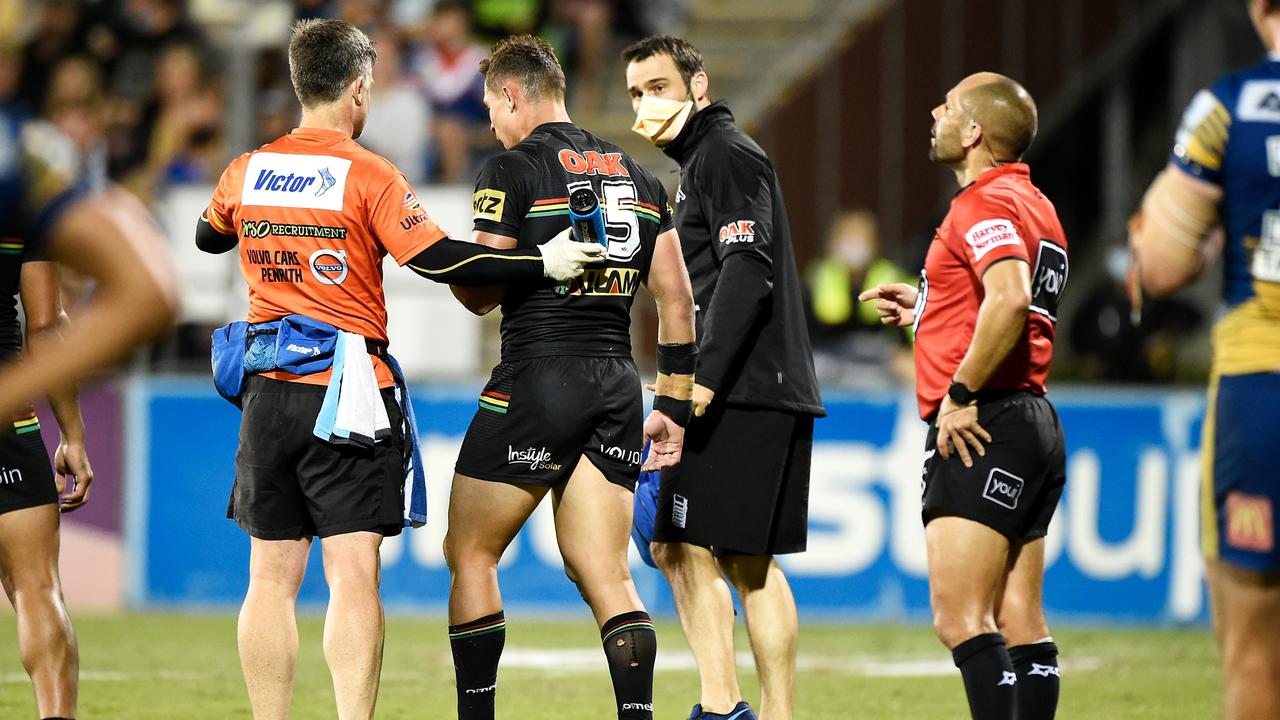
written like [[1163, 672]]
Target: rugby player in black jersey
[[45, 216], [539, 428]]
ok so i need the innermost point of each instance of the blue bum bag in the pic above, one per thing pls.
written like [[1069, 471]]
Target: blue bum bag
[[294, 344]]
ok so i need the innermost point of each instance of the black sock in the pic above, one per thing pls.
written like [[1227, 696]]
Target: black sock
[[989, 679], [1038, 679], [631, 646], [477, 645]]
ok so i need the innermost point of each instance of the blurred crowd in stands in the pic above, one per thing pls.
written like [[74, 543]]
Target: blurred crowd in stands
[[139, 92], [140, 86]]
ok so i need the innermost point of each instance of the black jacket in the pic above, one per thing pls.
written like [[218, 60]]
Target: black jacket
[[753, 343]]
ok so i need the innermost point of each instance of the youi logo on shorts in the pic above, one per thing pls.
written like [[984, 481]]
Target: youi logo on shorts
[[630, 457], [295, 181], [1003, 488], [535, 458]]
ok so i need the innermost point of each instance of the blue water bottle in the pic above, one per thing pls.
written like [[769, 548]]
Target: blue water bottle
[[587, 220]]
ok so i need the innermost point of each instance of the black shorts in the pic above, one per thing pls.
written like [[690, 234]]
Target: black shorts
[[26, 478], [537, 417], [1014, 488], [742, 485], [291, 484]]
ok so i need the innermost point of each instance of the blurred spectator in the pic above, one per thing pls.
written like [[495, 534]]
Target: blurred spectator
[[851, 347], [136, 39], [1108, 345], [184, 119], [76, 105], [448, 69], [368, 15], [496, 19], [400, 121], [278, 109], [585, 46], [56, 35]]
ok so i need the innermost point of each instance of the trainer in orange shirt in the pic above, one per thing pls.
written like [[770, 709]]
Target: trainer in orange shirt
[[314, 214]]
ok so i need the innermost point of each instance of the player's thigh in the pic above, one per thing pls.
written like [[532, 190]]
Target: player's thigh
[[29, 548], [352, 556], [593, 524], [1246, 607], [967, 563], [1241, 499], [1020, 604], [280, 563], [484, 517], [616, 406], [533, 418]]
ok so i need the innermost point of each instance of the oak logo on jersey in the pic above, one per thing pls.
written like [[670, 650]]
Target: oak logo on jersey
[[329, 266], [738, 231], [1250, 522], [593, 163], [488, 205], [989, 235], [609, 282], [295, 181]]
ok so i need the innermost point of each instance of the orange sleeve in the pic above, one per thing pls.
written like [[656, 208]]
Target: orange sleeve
[[399, 221], [226, 197]]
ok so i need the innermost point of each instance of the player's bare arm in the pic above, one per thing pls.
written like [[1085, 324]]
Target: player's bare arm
[[668, 284], [895, 302], [1169, 234], [1001, 318], [113, 240], [42, 304], [482, 300]]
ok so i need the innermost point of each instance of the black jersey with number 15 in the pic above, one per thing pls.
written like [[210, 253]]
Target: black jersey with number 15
[[524, 194]]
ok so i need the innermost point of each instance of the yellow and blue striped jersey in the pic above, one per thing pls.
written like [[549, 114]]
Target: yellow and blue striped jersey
[[1230, 137]]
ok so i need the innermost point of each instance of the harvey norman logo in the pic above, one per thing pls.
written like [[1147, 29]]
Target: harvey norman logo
[[295, 181]]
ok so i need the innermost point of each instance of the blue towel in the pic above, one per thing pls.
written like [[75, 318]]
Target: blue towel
[[415, 495]]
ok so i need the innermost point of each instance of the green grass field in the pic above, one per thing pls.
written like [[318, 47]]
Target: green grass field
[[185, 666]]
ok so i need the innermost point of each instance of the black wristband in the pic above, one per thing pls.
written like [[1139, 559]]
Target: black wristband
[[681, 359], [960, 393], [678, 410]]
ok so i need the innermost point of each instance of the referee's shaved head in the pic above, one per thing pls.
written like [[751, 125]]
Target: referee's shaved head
[[1005, 111]]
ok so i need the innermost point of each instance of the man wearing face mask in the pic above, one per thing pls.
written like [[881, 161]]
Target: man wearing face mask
[[740, 494]]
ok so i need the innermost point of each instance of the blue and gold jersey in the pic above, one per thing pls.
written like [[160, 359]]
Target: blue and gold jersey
[[1230, 137]]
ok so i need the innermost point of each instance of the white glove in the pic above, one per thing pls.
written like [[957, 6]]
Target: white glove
[[563, 258]]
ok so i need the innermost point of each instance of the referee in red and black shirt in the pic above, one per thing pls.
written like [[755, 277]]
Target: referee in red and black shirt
[[995, 458]]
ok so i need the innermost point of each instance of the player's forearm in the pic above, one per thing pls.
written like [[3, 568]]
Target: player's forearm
[[1002, 317], [479, 300], [745, 283], [63, 400], [1168, 234], [117, 320], [461, 263]]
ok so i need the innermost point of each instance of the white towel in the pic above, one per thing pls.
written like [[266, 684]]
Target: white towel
[[359, 416]]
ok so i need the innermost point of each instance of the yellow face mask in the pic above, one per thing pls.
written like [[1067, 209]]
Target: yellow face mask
[[660, 120]]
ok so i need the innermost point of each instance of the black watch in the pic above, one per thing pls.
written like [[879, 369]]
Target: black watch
[[960, 394]]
